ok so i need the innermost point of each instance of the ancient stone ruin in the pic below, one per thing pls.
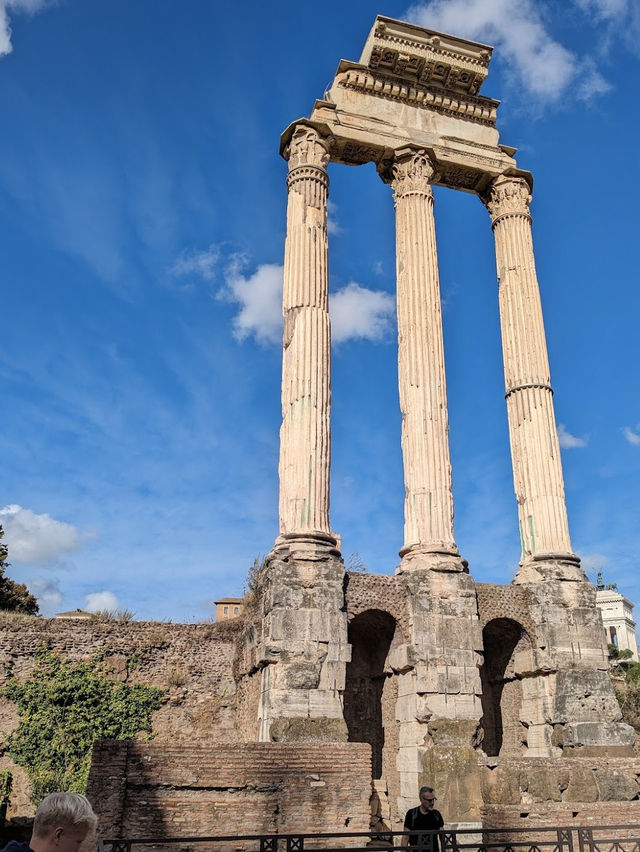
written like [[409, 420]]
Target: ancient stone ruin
[[338, 694], [436, 671]]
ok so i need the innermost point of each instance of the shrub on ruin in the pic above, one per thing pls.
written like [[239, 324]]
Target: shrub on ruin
[[64, 709], [14, 597]]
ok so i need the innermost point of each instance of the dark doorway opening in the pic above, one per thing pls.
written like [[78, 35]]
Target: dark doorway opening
[[501, 689], [370, 635]]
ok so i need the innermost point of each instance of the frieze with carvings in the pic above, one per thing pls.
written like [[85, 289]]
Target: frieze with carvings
[[458, 177], [427, 72], [356, 154], [508, 196], [433, 45]]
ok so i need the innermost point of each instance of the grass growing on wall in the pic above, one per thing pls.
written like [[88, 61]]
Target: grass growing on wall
[[64, 708]]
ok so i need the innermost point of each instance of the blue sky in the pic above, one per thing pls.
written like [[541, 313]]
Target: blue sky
[[143, 203]]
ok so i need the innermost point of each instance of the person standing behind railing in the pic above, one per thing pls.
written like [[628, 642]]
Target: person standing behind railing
[[61, 824], [424, 817]]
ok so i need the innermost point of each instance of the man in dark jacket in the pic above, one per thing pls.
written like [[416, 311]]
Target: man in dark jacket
[[424, 818], [62, 823]]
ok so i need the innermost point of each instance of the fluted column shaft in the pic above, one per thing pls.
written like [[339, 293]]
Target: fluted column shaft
[[535, 450], [306, 360], [428, 505]]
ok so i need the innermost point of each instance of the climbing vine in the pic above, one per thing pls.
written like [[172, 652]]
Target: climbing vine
[[64, 708]]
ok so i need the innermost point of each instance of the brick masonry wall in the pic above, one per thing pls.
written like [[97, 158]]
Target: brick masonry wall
[[152, 790], [554, 815], [374, 591], [193, 662], [496, 601]]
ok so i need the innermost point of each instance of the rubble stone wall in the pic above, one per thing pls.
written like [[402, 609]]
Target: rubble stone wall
[[193, 662], [154, 790]]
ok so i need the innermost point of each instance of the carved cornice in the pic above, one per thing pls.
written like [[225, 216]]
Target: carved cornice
[[459, 104], [508, 196], [426, 56], [307, 148], [412, 174]]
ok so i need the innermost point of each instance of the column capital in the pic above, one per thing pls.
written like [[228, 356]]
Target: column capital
[[508, 196], [307, 147], [411, 173]]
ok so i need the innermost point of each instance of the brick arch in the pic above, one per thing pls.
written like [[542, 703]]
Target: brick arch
[[502, 639], [377, 591], [371, 635]]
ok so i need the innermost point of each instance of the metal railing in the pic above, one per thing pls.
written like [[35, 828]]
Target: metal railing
[[610, 838]]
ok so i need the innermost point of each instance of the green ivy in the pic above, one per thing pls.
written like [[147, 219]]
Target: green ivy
[[6, 782], [64, 708]]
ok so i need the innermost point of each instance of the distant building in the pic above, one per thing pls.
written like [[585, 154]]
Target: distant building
[[229, 608], [75, 613], [617, 617]]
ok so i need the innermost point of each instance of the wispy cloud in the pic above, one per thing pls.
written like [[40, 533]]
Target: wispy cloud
[[97, 601], [632, 437], [569, 441], [203, 264], [333, 226], [36, 538], [594, 561], [604, 10], [360, 314], [48, 594], [9, 6], [543, 66]]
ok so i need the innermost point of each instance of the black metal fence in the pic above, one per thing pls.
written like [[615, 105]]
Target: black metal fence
[[609, 838]]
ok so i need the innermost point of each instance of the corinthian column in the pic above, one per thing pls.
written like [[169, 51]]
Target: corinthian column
[[428, 505], [306, 364], [535, 450]]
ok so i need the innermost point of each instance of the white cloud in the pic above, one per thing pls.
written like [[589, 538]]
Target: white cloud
[[632, 437], [540, 63], [569, 441], [200, 263], [36, 538], [48, 594], [333, 226], [6, 6], [100, 601], [260, 297], [358, 313]]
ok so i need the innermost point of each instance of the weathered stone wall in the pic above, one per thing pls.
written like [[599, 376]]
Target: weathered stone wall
[[193, 662], [153, 790], [563, 792]]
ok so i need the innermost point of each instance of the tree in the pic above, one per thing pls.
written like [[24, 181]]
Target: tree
[[14, 596]]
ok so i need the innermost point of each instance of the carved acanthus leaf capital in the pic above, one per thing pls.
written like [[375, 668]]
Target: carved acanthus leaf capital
[[412, 174], [308, 148], [508, 195]]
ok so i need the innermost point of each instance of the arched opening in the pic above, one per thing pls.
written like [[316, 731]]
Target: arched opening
[[370, 635], [614, 636], [501, 688]]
